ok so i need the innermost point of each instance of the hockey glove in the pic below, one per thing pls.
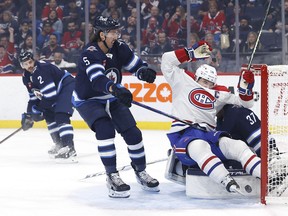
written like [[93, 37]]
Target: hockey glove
[[146, 74], [37, 114], [37, 93], [199, 51], [246, 82], [123, 94], [26, 121]]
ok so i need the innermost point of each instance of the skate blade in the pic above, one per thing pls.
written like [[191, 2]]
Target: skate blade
[[150, 189], [119, 194], [66, 160]]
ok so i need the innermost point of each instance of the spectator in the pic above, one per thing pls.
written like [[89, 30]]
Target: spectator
[[27, 45], [24, 31], [244, 28], [227, 44], [194, 38], [56, 23], [151, 31], [216, 56], [73, 12], [7, 21], [93, 13], [43, 37], [47, 53], [130, 29], [60, 62], [112, 6], [163, 44], [71, 41], [156, 14], [204, 8], [7, 54], [213, 21], [250, 43], [9, 5], [52, 5]]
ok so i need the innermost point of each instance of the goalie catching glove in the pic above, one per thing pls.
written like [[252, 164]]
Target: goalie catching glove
[[123, 94], [146, 74], [246, 82], [199, 51]]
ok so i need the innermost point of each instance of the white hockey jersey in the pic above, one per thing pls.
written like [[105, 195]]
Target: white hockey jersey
[[190, 101]]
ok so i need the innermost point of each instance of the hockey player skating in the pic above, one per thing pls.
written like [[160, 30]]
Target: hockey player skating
[[104, 104], [50, 90], [197, 99]]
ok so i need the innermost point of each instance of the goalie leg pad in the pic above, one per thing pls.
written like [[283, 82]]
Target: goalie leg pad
[[174, 171]]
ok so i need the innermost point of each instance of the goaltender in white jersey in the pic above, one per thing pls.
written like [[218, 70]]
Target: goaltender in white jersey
[[196, 99]]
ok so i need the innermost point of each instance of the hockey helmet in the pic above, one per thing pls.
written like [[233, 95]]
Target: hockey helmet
[[25, 56], [105, 24], [206, 72]]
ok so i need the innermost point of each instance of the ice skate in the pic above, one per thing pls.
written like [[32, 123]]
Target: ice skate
[[231, 185], [54, 150], [147, 182], [66, 155], [117, 188]]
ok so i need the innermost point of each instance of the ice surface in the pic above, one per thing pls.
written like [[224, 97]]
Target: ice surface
[[32, 184]]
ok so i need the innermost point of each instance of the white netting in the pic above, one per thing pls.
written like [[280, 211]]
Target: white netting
[[278, 127]]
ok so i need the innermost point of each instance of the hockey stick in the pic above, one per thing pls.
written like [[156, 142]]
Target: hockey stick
[[167, 115], [126, 167], [12, 134], [258, 38]]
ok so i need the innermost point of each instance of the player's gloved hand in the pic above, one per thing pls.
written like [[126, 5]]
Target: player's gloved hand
[[37, 93], [26, 121], [37, 114], [246, 82], [199, 51], [123, 94], [146, 74]]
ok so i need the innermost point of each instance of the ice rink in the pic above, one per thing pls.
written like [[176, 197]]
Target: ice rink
[[32, 184]]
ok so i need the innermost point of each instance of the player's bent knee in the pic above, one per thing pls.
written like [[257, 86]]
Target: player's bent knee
[[232, 149], [62, 118], [103, 128], [132, 135]]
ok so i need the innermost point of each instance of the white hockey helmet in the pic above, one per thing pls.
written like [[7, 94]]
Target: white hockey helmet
[[206, 72]]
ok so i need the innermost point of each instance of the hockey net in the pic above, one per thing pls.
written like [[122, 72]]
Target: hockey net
[[273, 93]]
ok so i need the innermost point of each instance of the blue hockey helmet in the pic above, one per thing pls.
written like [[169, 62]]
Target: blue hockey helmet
[[25, 56], [105, 24]]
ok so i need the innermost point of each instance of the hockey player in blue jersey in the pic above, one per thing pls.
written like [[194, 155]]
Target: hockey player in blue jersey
[[104, 104], [50, 90]]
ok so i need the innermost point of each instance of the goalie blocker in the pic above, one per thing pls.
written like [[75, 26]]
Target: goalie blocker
[[199, 185]]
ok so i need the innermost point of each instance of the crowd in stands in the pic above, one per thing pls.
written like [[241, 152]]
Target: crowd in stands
[[60, 27]]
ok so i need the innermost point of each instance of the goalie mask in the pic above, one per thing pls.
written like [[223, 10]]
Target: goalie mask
[[206, 72]]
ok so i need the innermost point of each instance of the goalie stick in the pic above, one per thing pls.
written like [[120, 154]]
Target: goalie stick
[[126, 167], [12, 134]]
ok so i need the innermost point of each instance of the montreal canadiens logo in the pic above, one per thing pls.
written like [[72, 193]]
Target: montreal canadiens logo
[[113, 74], [201, 99]]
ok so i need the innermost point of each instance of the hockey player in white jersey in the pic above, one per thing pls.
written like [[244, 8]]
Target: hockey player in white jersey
[[196, 99]]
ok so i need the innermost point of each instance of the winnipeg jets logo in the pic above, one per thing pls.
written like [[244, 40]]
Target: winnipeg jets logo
[[91, 48], [113, 74], [201, 99], [109, 55]]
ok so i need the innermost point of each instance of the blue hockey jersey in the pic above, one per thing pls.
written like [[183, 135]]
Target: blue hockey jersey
[[94, 66], [48, 79]]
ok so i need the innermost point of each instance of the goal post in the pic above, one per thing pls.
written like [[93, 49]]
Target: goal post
[[274, 131]]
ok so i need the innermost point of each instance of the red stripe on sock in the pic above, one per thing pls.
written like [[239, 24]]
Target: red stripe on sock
[[248, 161], [207, 161]]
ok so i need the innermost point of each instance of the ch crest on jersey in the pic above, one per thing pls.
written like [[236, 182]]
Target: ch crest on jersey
[[113, 74], [201, 99]]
